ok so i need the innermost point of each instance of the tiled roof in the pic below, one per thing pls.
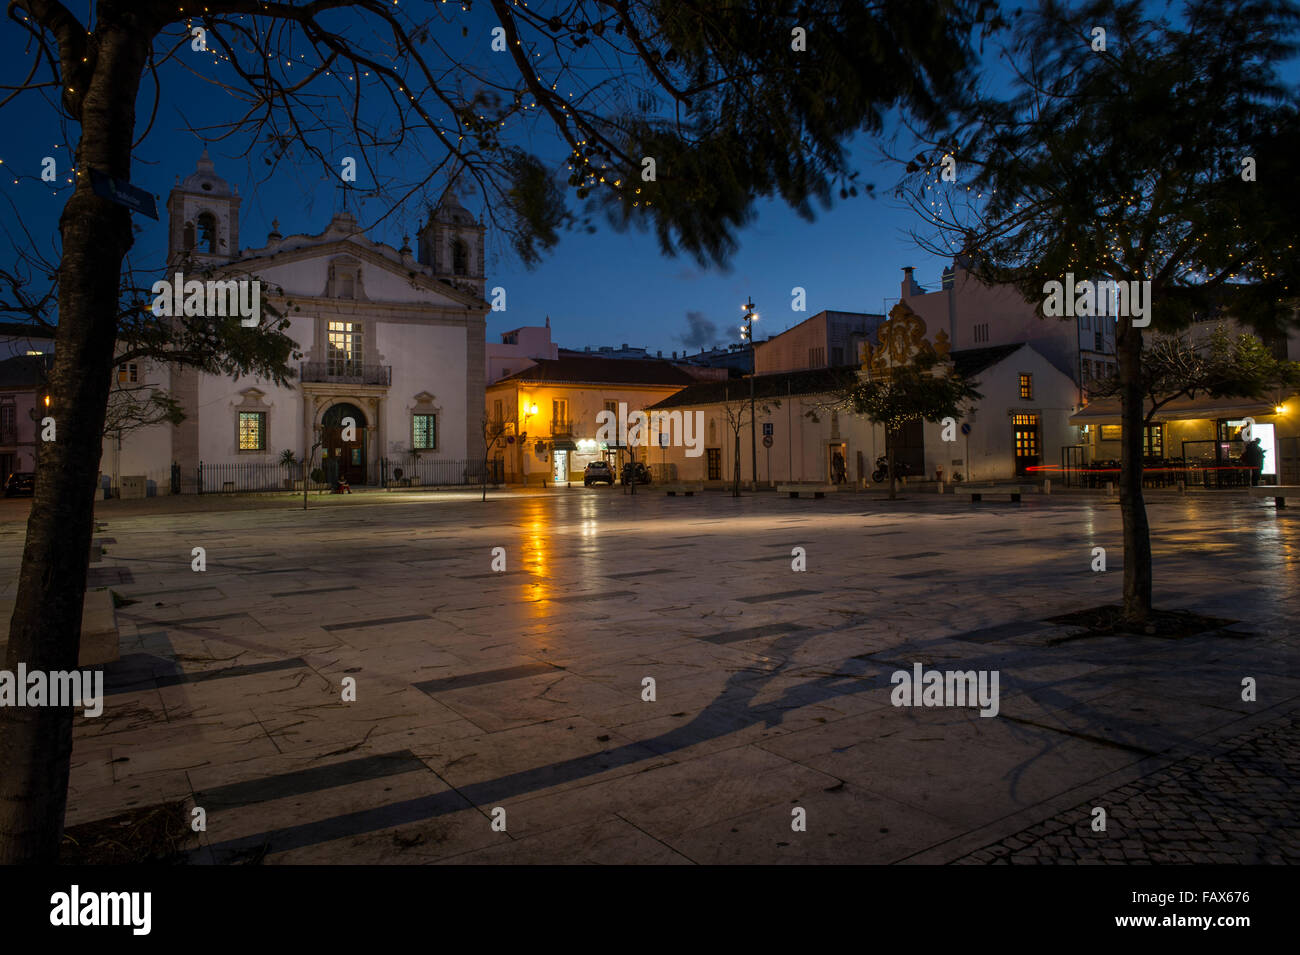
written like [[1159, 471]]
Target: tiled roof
[[25, 371], [810, 382], [816, 381], [621, 371], [971, 361]]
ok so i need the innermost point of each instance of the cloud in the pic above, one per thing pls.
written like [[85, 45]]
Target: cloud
[[700, 332]]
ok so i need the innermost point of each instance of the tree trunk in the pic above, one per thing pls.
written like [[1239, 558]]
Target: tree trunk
[[45, 630], [1137, 533], [736, 490]]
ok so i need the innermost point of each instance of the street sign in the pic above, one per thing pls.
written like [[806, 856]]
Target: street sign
[[123, 193], [767, 429], [965, 429], [767, 440]]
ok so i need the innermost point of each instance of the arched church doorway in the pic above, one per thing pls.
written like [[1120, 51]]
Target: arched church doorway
[[340, 456]]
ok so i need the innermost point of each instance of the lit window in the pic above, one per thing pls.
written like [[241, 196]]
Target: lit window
[[129, 372], [424, 432], [1153, 440], [346, 348], [1026, 386], [252, 431]]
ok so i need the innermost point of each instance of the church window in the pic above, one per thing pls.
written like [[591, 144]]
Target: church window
[[252, 431], [208, 232], [459, 257], [346, 349], [424, 432]]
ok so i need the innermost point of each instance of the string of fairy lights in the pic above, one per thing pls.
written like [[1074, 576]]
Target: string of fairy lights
[[579, 161]]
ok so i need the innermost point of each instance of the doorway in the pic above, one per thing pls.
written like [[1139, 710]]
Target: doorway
[[1025, 435], [837, 462], [560, 472], [339, 457]]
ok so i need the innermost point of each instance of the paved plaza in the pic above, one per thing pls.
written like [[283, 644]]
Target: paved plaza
[[523, 689]]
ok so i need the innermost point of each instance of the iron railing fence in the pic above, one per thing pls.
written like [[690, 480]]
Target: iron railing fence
[[440, 472], [349, 373], [245, 477]]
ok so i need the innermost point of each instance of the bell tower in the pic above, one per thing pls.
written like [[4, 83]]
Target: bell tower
[[203, 218], [451, 243]]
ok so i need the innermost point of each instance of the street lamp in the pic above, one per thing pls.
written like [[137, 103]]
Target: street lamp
[[747, 334]]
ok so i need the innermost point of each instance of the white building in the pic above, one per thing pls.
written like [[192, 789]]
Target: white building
[[975, 315], [391, 340], [1021, 422]]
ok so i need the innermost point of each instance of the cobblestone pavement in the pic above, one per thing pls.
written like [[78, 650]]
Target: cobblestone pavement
[[1235, 805]]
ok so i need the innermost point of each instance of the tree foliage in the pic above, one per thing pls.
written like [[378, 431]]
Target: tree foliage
[[922, 389], [1164, 152], [1219, 365]]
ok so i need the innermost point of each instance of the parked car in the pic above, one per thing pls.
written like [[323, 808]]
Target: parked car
[[597, 472], [635, 472], [20, 482]]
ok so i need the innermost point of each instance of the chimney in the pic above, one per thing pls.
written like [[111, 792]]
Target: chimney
[[909, 284]]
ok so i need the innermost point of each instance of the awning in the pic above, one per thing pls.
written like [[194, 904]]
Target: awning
[[563, 444], [1107, 410]]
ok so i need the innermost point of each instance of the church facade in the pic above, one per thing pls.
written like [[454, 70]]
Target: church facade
[[392, 347]]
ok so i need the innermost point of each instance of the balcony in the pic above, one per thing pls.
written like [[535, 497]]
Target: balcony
[[346, 373], [561, 429], [8, 436]]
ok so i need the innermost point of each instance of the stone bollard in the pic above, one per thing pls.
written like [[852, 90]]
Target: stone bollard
[[1047, 486]]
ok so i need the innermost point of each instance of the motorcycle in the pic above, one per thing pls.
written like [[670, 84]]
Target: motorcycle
[[881, 473], [635, 473]]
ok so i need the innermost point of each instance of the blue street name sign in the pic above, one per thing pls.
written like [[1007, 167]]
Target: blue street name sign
[[123, 193]]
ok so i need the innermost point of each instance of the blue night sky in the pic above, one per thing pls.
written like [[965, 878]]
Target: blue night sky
[[601, 289]]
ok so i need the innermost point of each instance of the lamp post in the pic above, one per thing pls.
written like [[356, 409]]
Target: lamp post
[[747, 333]]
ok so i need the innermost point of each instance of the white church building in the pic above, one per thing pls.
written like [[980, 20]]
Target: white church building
[[392, 340]]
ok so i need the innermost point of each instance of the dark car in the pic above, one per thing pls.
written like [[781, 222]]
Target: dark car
[[597, 472], [20, 482], [635, 472]]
